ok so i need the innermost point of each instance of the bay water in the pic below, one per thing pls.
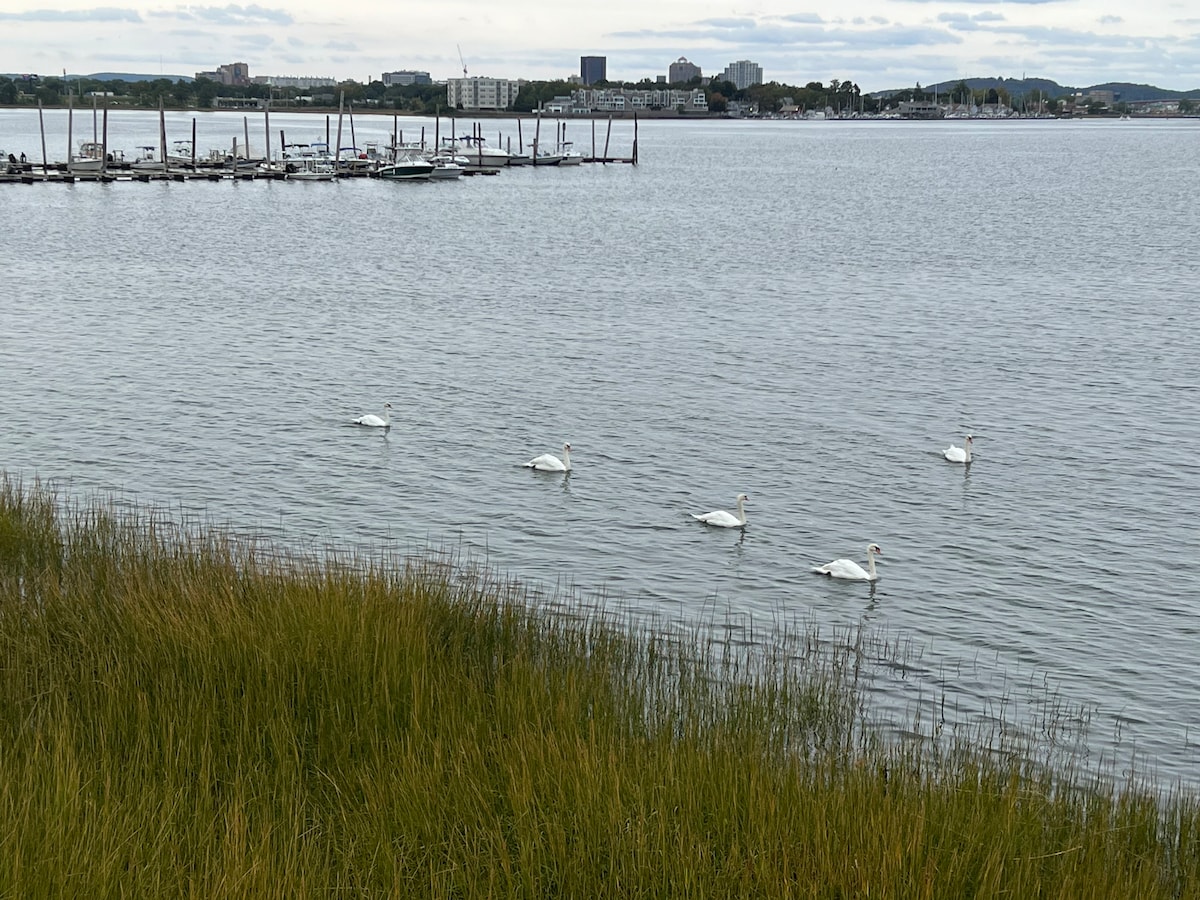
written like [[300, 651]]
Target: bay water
[[807, 312]]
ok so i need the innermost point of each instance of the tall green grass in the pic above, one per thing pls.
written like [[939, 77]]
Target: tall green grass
[[183, 713]]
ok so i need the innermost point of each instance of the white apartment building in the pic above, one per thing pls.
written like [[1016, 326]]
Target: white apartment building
[[743, 73], [300, 82], [482, 93]]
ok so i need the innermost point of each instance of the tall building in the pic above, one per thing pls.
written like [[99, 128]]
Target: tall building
[[481, 93], [743, 73], [233, 74], [593, 69], [682, 71], [406, 77]]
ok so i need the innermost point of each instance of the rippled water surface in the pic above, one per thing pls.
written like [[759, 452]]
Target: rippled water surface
[[806, 312]]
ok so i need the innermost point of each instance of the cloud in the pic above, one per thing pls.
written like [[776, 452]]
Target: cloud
[[232, 15], [97, 14], [1110, 20], [967, 22]]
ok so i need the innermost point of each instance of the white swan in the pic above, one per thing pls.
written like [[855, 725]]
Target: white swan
[[959, 454], [724, 519], [850, 570], [374, 421], [548, 462]]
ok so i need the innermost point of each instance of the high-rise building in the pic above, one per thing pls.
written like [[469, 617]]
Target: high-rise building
[[681, 71], [593, 69], [233, 74], [743, 73]]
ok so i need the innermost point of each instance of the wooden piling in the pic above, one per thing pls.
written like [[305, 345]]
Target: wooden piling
[[193, 143], [162, 132], [607, 135], [337, 152], [635, 139], [42, 127]]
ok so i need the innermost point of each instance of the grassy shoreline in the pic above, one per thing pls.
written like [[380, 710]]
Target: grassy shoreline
[[188, 714]]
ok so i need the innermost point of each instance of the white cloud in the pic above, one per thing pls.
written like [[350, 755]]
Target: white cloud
[[877, 43]]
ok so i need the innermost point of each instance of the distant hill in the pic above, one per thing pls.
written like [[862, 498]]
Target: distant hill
[[126, 76], [1020, 86]]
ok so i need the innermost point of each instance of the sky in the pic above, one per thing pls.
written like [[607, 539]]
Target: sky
[[876, 44]]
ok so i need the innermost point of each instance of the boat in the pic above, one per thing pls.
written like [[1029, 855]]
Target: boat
[[308, 162], [354, 161], [147, 160], [542, 157], [447, 166], [92, 158], [479, 154], [406, 165], [180, 156], [570, 156]]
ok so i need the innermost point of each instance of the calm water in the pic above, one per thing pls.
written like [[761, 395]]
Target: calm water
[[807, 312]]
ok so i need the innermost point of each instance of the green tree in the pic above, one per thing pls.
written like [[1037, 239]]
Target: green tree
[[1187, 106]]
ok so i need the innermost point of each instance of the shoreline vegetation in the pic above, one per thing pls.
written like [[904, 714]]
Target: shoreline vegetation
[[185, 712]]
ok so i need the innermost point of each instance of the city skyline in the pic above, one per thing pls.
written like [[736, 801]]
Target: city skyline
[[879, 44]]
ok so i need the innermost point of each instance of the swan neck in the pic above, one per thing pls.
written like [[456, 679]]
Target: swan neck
[[741, 508], [967, 449], [567, 457], [871, 563]]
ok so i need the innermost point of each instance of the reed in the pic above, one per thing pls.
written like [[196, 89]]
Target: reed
[[187, 713]]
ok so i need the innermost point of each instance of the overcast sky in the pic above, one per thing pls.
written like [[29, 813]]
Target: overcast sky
[[877, 44]]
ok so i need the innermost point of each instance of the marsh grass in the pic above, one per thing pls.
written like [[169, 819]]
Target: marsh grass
[[183, 713]]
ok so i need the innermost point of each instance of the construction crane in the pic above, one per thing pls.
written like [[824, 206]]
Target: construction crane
[[460, 59]]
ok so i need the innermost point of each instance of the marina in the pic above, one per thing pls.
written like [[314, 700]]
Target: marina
[[432, 157]]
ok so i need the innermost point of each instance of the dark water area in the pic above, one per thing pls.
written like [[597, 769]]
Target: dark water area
[[807, 312]]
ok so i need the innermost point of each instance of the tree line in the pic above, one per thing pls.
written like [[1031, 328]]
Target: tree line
[[841, 96]]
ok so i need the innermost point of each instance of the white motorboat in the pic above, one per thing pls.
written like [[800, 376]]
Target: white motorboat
[[308, 162], [570, 156], [92, 158], [542, 157], [147, 160], [447, 167], [479, 154]]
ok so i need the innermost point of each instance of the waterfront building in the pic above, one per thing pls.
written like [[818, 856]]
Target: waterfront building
[[482, 93], [406, 77], [743, 74], [300, 82], [593, 69], [231, 74], [619, 100], [681, 71]]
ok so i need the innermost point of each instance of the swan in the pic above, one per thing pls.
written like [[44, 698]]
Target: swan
[[959, 454], [723, 519], [850, 570], [548, 462], [374, 421]]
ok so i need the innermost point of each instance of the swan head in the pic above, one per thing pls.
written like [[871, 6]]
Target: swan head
[[742, 498], [874, 548], [969, 439], [389, 406]]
